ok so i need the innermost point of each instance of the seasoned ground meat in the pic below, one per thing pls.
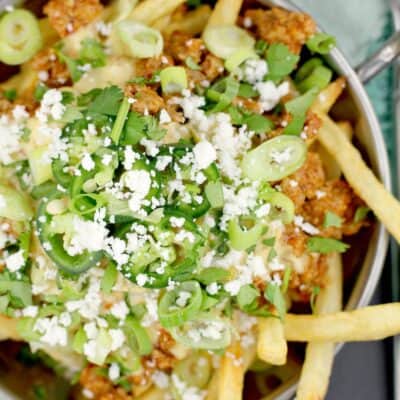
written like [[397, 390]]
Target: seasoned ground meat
[[147, 67], [301, 285], [281, 26], [339, 198], [306, 181], [212, 67], [67, 16], [146, 99], [195, 77], [182, 45], [311, 126], [55, 73], [100, 386]]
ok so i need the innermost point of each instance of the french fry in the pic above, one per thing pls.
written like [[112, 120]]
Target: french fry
[[314, 378], [225, 12], [8, 328], [212, 389], [359, 176], [193, 22], [231, 374], [346, 128], [154, 393], [328, 97], [162, 23], [368, 323], [149, 11], [271, 344]]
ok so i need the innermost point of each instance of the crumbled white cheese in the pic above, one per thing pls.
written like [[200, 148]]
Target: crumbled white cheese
[[52, 333], [120, 310], [114, 372], [305, 226], [87, 162], [164, 117], [160, 379], [30, 311], [270, 94], [204, 154], [117, 338], [15, 261], [254, 70]]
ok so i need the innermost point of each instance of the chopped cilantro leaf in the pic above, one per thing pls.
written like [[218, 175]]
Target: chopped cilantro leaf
[[137, 126], [274, 295], [271, 255], [261, 47], [67, 97], [247, 297], [86, 98], [10, 94], [361, 213], [141, 80], [269, 242], [281, 62], [326, 245], [39, 92], [107, 101], [246, 90], [212, 274], [331, 219], [92, 52], [255, 122]]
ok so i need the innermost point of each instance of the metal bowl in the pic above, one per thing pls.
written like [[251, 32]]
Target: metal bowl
[[370, 140]]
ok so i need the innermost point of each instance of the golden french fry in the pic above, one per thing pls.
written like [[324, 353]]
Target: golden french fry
[[368, 323], [346, 128], [152, 394], [193, 22], [212, 389], [314, 378], [162, 23], [225, 12], [328, 97], [359, 176], [231, 374], [8, 328], [148, 11], [271, 344]]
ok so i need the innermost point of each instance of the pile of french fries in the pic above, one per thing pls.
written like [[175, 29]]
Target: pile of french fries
[[328, 325]]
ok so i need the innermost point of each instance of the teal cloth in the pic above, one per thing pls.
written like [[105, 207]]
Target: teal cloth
[[360, 27]]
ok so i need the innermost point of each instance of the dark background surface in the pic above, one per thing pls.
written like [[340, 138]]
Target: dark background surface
[[363, 371]]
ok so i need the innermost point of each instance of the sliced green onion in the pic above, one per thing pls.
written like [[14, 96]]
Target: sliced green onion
[[195, 370], [109, 278], [319, 77], [332, 219], [173, 79], [283, 207], [214, 193], [274, 159], [138, 338], [19, 291], [295, 126], [140, 40], [361, 214], [321, 43], [20, 37], [84, 204], [225, 40], [247, 296], [14, 205], [243, 239], [246, 90], [79, 340], [305, 70], [172, 314], [300, 105], [40, 168], [274, 295], [120, 120], [194, 333], [223, 92], [238, 58]]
